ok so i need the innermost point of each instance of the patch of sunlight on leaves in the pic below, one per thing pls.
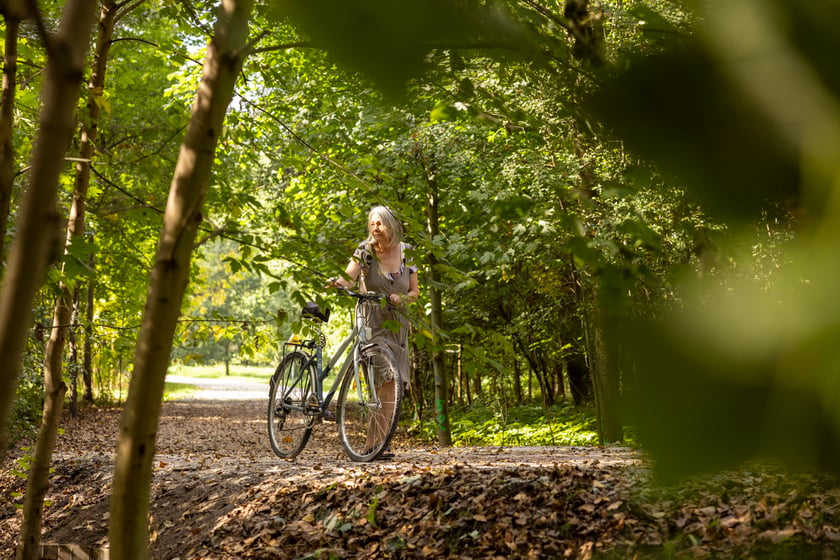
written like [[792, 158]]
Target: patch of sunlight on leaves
[[526, 425], [174, 391]]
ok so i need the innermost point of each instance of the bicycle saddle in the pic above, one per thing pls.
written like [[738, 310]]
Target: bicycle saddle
[[313, 311]]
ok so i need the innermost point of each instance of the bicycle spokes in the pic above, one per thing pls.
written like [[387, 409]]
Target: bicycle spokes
[[368, 407], [289, 426]]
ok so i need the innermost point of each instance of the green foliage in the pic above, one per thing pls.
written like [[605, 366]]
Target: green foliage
[[521, 426], [355, 32], [230, 313], [745, 365], [28, 405]]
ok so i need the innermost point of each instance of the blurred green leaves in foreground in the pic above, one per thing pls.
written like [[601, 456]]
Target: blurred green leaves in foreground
[[388, 40], [745, 115]]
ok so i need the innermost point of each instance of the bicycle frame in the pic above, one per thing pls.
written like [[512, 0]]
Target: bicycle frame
[[321, 372], [324, 373]]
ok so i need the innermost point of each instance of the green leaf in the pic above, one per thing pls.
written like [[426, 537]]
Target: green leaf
[[388, 41]]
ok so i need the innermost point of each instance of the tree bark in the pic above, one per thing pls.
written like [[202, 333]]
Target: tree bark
[[38, 230], [63, 314], [87, 348], [438, 363], [13, 13], [170, 273], [605, 381]]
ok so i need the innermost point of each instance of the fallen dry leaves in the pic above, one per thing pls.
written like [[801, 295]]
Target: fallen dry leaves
[[218, 493], [559, 511], [452, 511]]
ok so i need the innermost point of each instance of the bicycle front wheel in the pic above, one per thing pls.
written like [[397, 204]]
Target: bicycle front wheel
[[289, 426], [368, 408]]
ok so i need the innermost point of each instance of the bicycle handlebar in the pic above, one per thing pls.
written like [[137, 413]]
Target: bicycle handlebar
[[373, 296]]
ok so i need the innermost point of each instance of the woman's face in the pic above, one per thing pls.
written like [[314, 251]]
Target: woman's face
[[378, 230]]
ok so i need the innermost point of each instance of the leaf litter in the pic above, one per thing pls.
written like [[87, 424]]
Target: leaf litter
[[219, 493]]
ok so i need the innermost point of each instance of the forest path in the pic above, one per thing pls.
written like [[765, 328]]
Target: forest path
[[218, 492], [221, 388], [213, 464]]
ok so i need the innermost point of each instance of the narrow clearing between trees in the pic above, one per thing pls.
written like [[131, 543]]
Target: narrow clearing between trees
[[219, 493]]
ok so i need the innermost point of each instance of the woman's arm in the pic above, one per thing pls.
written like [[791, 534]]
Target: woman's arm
[[413, 288], [411, 295], [351, 274]]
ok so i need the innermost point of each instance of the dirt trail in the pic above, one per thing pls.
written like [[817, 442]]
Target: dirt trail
[[218, 492], [213, 457]]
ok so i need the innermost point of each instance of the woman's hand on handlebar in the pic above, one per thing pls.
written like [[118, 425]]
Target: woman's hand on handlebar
[[336, 283]]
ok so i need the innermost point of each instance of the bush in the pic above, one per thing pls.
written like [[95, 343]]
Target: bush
[[28, 406]]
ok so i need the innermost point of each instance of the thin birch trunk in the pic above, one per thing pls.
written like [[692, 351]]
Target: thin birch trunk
[[605, 381]]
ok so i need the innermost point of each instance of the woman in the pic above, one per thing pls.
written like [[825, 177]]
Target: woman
[[381, 265]]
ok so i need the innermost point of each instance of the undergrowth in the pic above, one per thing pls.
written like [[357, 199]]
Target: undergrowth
[[523, 425]]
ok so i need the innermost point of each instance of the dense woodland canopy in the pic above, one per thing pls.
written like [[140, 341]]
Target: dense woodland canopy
[[608, 200]]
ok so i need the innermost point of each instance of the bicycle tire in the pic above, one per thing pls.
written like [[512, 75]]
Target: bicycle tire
[[289, 427], [365, 422]]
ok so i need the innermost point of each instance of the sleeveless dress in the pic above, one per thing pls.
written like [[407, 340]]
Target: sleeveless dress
[[388, 323]]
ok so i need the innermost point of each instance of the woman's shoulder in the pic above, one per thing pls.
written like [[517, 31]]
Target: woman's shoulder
[[408, 257], [364, 252]]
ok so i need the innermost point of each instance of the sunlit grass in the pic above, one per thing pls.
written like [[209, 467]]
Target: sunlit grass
[[525, 425], [175, 391], [214, 371]]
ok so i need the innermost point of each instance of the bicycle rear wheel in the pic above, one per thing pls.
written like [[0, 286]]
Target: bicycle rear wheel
[[368, 407], [289, 426]]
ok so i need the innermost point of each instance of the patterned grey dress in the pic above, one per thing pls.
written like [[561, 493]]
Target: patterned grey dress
[[388, 323]]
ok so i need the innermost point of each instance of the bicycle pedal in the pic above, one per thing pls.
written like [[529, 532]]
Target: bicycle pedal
[[329, 415]]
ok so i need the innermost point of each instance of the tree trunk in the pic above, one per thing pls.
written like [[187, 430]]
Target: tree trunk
[[38, 228], [439, 369], [438, 363], [454, 368], [477, 391], [537, 368], [13, 14], [579, 378], [87, 348], [38, 481], [170, 273], [517, 381], [604, 380], [559, 382], [420, 372], [465, 378]]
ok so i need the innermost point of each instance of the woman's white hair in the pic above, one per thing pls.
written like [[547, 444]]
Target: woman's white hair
[[389, 220]]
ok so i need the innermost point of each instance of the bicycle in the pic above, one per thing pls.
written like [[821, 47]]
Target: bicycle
[[367, 409]]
